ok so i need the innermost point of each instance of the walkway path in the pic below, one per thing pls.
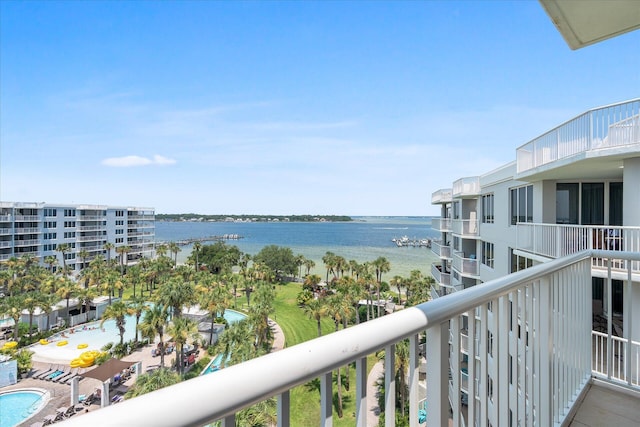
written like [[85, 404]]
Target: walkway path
[[372, 394]]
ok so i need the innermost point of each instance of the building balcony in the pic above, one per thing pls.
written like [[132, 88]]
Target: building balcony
[[466, 187], [92, 217], [141, 217], [558, 240], [5, 231], [443, 195], [466, 266], [594, 133], [24, 218], [5, 218], [441, 224], [90, 238], [26, 230], [440, 250], [4, 257], [540, 376], [92, 227], [466, 228], [444, 279], [5, 244], [29, 242]]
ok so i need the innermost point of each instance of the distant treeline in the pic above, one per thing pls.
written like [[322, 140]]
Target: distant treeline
[[263, 218]]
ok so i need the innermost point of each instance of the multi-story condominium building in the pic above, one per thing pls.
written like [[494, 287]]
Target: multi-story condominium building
[[572, 189], [37, 229]]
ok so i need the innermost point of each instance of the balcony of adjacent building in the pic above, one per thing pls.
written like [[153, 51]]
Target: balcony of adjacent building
[[91, 227], [440, 249], [466, 187], [520, 347], [466, 228], [444, 195], [26, 218], [441, 224], [6, 231], [91, 217], [5, 218], [580, 143], [557, 240], [465, 264], [26, 230]]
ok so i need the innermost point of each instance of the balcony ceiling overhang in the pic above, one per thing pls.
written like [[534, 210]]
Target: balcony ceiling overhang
[[581, 167], [583, 23]]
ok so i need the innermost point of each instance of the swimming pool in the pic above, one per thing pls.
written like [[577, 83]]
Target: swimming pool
[[23, 403], [95, 338]]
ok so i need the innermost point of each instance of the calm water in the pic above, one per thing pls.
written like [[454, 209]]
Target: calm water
[[364, 239], [15, 407]]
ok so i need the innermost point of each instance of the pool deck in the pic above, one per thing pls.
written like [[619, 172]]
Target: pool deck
[[61, 393]]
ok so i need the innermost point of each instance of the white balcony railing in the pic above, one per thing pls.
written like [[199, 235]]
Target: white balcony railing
[[441, 224], [616, 125], [444, 279], [25, 230], [467, 266], [24, 218], [540, 359], [466, 227], [440, 250], [469, 186], [558, 240], [443, 195]]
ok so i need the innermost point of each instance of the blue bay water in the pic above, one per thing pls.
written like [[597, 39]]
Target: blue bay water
[[364, 239]]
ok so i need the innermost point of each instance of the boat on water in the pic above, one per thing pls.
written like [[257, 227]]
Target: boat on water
[[405, 241]]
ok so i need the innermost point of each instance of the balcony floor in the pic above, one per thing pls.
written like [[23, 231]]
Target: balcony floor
[[603, 406]]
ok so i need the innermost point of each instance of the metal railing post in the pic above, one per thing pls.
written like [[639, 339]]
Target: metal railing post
[[437, 375]]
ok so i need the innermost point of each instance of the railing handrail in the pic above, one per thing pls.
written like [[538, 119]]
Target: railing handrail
[[549, 224], [296, 365]]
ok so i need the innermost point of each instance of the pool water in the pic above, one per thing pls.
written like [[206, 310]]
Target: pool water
[[23, 404], [95, 337]]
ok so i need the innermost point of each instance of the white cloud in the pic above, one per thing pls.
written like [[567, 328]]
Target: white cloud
[[129, 161]]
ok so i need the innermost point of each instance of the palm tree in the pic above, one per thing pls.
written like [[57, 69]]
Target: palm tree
[[312, 281], [152, 381], [259, 315], [176, 293], [118, 311], [300, 262], [196, 251], [31, 301], [161, 250], [134, 277], [12, 306], [107, 247], [329, 262], [339, 309], [381, 265], [174, 249], [122, 251], [180, 330], [63, 248], [85, 296], [215, 299], [153, 324], [83, 254], [137, 305], [51, 261], [316, 309], [67, 290], [397, 281], [308, 265]]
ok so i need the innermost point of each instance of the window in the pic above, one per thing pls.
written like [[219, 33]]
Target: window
[[120, 240], [456, 210], [519, 262], [119, 231], [50, 236], [487, 254], [487, 209], [50, 212], [50, 247], [50, 224], [521, 204], [70, 235], [69, 212], [119, 213], [119, 222]]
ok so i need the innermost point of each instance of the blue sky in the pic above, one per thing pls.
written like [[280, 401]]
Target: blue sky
[[355, 108]]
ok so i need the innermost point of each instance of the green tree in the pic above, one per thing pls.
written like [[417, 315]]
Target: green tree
[[63, 248], [117, 311], [181, 329], [197, 246], [280, 260], [66, 291], [137, 305], [122, 252], [308, 265], [152, 381], [154, 322], [213, 297], [12, 306], [220, 258], [174, 249], [382, 265], [107, 247], [316, 310], [176, 293]]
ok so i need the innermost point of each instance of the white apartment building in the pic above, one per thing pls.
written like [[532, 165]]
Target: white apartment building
[[36, 229], [574, 188]]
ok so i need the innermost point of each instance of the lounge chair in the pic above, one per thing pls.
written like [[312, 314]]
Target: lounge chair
[[41, 375], [63, 378], [58, 373], [42, 371]]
